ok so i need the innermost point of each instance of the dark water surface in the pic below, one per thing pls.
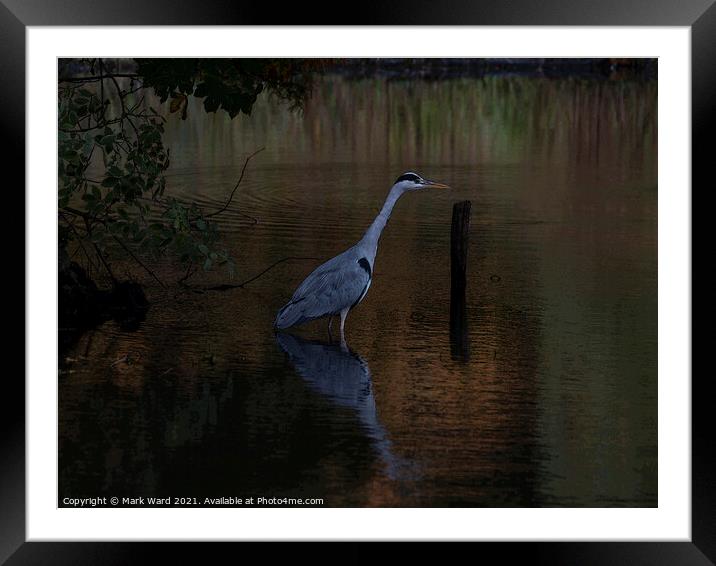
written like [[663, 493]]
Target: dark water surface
[[550, 398]]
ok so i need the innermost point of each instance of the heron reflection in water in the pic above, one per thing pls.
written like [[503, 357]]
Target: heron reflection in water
[[343, 377]]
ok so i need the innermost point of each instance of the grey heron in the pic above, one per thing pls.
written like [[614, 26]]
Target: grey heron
[[339, 284]]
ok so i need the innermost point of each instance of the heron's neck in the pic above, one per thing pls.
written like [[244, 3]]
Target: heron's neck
[[372, 235]]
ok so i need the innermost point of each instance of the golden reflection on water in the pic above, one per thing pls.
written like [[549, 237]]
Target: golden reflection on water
[[555, 403]]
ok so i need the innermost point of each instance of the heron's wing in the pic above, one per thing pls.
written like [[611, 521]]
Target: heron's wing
[[336, 285]]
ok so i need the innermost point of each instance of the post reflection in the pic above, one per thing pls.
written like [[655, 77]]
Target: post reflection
[[342, 376], [459, 335]]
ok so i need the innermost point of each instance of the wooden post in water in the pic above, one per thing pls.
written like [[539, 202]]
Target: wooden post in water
[[459, 342]]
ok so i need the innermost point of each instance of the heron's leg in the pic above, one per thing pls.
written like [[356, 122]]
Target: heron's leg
[[330, 325], [344, 314]]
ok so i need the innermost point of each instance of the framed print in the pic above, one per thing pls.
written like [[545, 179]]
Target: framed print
[[425, 276]]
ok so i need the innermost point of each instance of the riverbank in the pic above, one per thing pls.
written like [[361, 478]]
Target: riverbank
[[450, 68]]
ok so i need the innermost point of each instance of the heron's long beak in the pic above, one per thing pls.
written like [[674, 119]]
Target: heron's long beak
[[435, 185]]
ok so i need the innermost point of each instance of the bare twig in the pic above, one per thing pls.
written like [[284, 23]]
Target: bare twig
[[139, 261], [79, 238], [190, 270], [226, 286], [75, 212], [252, 218], [99, 252], [90, 128], [97, 78], [86, 218], [101, 88], [231, 196], [128, 358], [125, 114]]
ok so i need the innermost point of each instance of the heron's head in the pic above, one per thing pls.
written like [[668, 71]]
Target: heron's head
[[410, 181]]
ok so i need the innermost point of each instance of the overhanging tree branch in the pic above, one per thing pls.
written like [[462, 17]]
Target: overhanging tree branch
[[227, 286], [231, 196]]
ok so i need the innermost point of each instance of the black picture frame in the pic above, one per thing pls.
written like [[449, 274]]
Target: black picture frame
[[16, 15]]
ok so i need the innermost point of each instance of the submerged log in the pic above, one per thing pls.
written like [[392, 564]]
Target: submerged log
[[82, 305]]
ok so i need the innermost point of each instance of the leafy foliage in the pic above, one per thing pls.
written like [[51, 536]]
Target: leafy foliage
[[232, 85], [125, 204], [112, 161]]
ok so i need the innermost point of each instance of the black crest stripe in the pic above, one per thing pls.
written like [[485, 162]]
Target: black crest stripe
[[408, 177]]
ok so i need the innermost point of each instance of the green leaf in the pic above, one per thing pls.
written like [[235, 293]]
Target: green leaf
[[87, 145]]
